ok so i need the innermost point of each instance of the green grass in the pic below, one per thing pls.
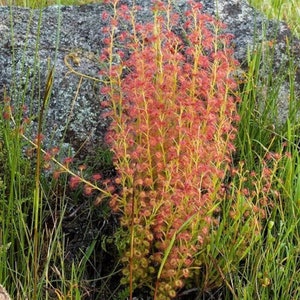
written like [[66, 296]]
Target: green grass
[[271, 269], [43, 3], [32, 251], [286, 10]]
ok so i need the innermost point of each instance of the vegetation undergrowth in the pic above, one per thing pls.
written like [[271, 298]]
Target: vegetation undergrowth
[[225, 225], [40, 254]]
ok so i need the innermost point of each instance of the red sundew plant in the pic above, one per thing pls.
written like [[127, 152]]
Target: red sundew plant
[[173, 112]]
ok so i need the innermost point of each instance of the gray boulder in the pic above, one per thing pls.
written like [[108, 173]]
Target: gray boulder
[[70, 38]]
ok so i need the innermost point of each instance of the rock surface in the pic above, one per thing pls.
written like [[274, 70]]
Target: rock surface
[[3, 293], [32, 41]]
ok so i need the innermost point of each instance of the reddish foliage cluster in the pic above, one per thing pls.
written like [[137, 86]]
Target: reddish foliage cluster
[[172, 135]]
